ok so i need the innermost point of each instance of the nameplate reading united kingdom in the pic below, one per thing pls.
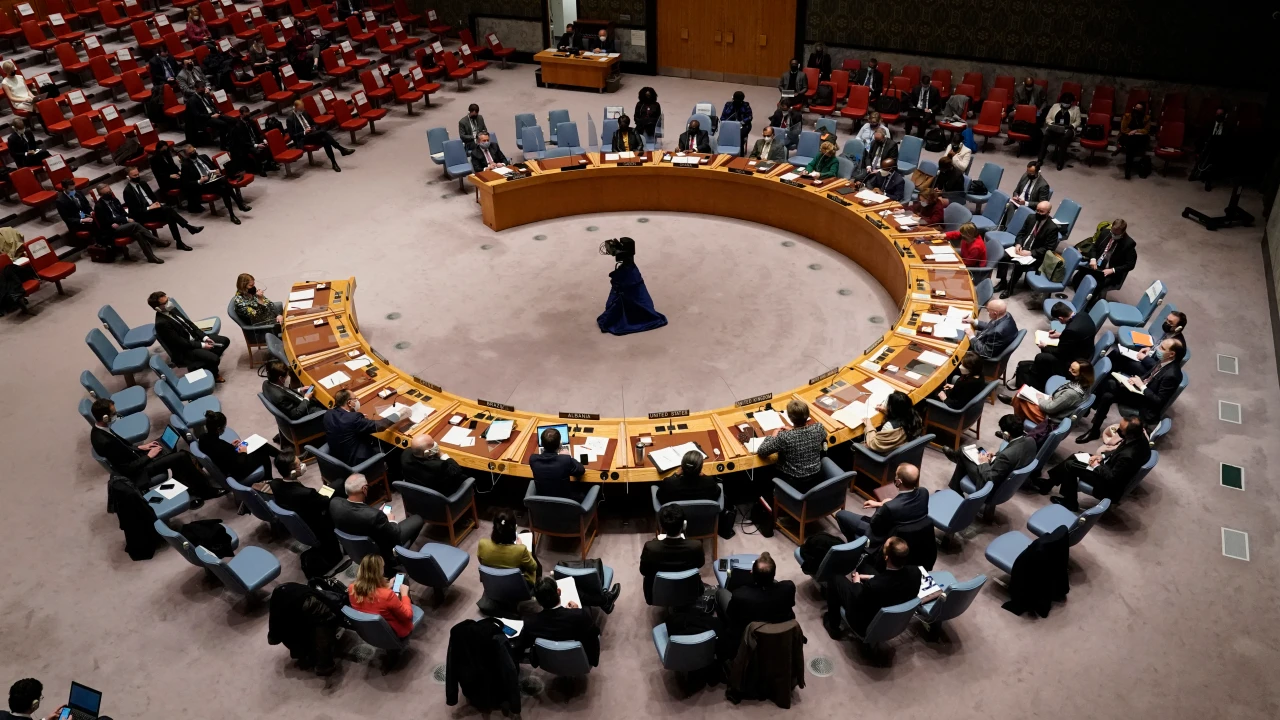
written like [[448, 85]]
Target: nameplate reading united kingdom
[[823, 376], [496, 405], [579, 416], [753, 400], [668, 414]]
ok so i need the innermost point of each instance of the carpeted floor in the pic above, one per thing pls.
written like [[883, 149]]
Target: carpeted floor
[[1158, 623]]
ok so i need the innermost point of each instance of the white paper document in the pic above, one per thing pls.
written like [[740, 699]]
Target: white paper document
[[870, 196], [1026, 392], [1131, 354], [790, 176], [299, 304], [568, 592], [456, 435], [753, 445], [611, 157], [253, 442], [580, 450], [499, 430], [170, 493], [206, 324], [932, 358], [334, 380], [302, 295], [852, 415], [358, 362], [906, 221], [419, 412], [596, 444], [1154, 290], [768, 420], [1130, 386], [467, 442], [196, 375], [526, 539], [395, 413], [971, 452], [670, 457], [1012, 252], [1043, 339]]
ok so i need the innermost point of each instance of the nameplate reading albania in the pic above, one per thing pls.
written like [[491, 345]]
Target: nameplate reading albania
[[496, 405], [668, 414], [753, 400], [579, 416]]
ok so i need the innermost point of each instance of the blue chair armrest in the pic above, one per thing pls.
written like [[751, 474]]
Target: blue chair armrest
[[463, 489], [932, 404], [369, 463], [862, 449], [308, 418], [657, 507], [784, 487], [591, 500]]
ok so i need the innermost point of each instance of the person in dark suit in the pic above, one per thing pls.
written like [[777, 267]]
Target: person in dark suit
[[793, 84], [1157, 387], [966, 384], [694, 140], [1039, 235], [470, 126], [231, 457], [424, 465], [188, 346], [303, 131], [767, 148], [689, 483], [603, 43], [24, 700], [871, 78], [74, 209], [141, 463], [1110, 260], [1028, 93], [1108, 471], [23, 146], [670, 552], [163, 69], [202, 114], [790, 121], [991, 337], [995, 467], [909, 505], [165, 168], [486, 154], [862, 596], [921, 107], [349, 433], [201, 176], [555, 469], [764, 599], [626, 139], [351, 515], [888, 181], [1030, 189], [248, 146], [882, 148], [114, 222], [570, 40], [1075, 342], [312, 507], [1175, 322], [556, 622], [144, 204], [295, 404], [820, 59]]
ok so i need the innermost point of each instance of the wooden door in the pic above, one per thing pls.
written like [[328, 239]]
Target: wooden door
[[674, 37], [728, 40]]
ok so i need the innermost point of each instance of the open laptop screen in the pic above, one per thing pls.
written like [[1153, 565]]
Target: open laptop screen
[[563, 429], [85, 699]]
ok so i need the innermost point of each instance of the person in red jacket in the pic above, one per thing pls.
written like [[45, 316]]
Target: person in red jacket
[[371, 593], [929, 207], [973, 248]]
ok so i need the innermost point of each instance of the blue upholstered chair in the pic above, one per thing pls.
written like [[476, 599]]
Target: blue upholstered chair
[[684, 653], [988, 218], [846, 167], [1121, 314], [554, 118], [729, 139], [531, 142], [704, 122], [186, 389], [736, 565], [374, 630], [990, 175], [275, 348], [1051, 517], [179, 542], [566, 658], [166, 508], [298, 432], [185, 417], [1066, 215], [587, 580], [824, 499], [982, 290], [246, 573], [606, 134], [1007, 489], [955, 599], [875, 470], [676, 588], [524, 120], [839, 560], [562, 517], [1003, 552], [887, 624], [332, 469], [995, 254], [131, 428], [456, 163], [556, 153], [652, 143], [853, 150], [1160, 430], [701, 516], [1007, 236], [909, 154], [357, 546], [129, 338], [954, 422], [807, 150], [215, 473], [435, 565], [956, 215], [504, 588], [1155, 328], [1043, 285], [128, 401], [997, 368], [214, 323], [437, 508], [567, 138], [826, 123], [952, 512], [292, 522], [1078, 300], [908, 189], [436, 138], [1103, 345], [117, 363], [255, 336], [247, 496]]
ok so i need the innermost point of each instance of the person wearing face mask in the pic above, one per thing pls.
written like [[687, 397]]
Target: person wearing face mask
[[294, 404], [887, 180], [882, 148], [148, 464], [486, 155], [252, 305], [200, 175], [190, 77], [114, 222], [910, 504], [1113, 255], [989, 338], [1109, 470], [929, 206], [470, 127], [1030, 189], [994, 467], [163, 70], [867, 131], [790, 121], [164, 168], [966, 384], [821, 60], [921, 107], [303, 130], [1027, 93], [1172, 328], [647, 112], [694, 140], [768, 148], [960, 154], [1039, 235], [290, 493], [871, 78], [187, 345], [348, 432], [24, 148], [1062, 402], [570, 40], [144, 204], [1062, 124], [603, 43], [1135, 131], [233, 458], [740, 110], [202, 115], [1213, 156], [1148, 394], [793, 83], [625, 139]]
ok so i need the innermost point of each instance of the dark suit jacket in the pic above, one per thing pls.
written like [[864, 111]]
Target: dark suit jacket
[[964, 389], [752, 603], [108, 211], [777, 152], [191, 174], [1158, 392], [933, 100], [1042, 242], [877, 80], [822, 63], [894, 186], [156, 66], [1123, 258], [349, 435], [676, 488], [443, 476], [1076, 340], [1119, 466], [19, 144], [555, 473], [287, 401], [69, 210], [197, 109], [124, 459], [1014, 455], [135, 202], [702, 143], [178, 336], [477, 156], [226, 458], [1039, 189], [162, 166], [668, 555], [993, 336], [293, 128], [609, 45], [570, 40], [368, 520], [886, 589], [561, 623], [310, 505], [903, 508], [794, 118], [244, 137], [637, 142], [464, 130], [888, 149]]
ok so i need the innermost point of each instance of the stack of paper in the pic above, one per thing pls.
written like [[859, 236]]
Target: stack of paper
[[753, 445], [1027, 392], [358, 362], [852, 415], [971, 452], [334, 380], [419, 412], [870, 196], [396, 412], [196, 375], [1043, 339], [299, 304], [670, 457], [611, 157], [302, 295], [456, 435], [930, 357], [907, 221], [253, 442], [504, 172], [790, 176], [942, 255], [1128, 384], [568, 592], [626, 155], [499, 430], [1131, 354], [596, 444], [580, 450], [1012, 252], [768, 420]]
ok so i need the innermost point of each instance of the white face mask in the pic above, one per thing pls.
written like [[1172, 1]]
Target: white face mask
[[884, 173], [355, 405], [170, 306]]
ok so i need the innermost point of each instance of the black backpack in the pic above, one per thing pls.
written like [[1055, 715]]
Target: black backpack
[[1093, 132], [888, 105], [1022, 127], [977, 187], [935, 140], [825, 96]]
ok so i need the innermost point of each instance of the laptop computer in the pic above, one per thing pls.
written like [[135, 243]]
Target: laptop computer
[[84, 702], [563, 429], [170, 438]]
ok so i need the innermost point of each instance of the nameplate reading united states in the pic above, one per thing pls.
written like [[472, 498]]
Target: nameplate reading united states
[[823, 376], [668, 414]]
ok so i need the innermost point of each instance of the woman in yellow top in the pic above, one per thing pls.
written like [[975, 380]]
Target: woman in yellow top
[[825, 164], [901, 424], [626, 139], [503, 550]]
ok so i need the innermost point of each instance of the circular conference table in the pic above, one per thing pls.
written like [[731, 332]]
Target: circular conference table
[[323, 342]]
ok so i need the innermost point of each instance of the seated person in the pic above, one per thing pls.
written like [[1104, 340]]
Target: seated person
[[867, 132], [626, 139], [966, 384], [570, 40], [767, 148], [1109, 470], [1061, 126], [424, 465], [871, 78], [1075, 341], [996, 467], [694, 140], [991, 337], [950, 179], [188, 346], [351, 515], [689, 483], [24, 700], [202, 114], [143, 204], [930, 207], [303, 131], [881, 148], [1039, 235], [232, 458], [141, 463], [901, 424], [739, 110], [920, 107], [973, 247], [789, 120], [348, 433], [201, 176], [165, 170], [670, 551], [486, 155], [1030, 189], [113, 222], [793, 84], [23, 146], [503, 549], [603, 43], [888, 181], [558, 623], [1064, 400], [764, 599], [74, 208], [1028, 93], [371, 593], [295, 404], [1157, 386], [824, 165], [909, 505], [311, 506], [555, 469], [1113, 256], [862, 596], [253, 306], [799, 449], [1174, 323], [959, 154]]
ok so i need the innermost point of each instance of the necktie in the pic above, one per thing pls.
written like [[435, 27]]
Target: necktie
[[488, 159], [1106, 252], [204, 169], [142, 188], [923, 96], [306, 125], [1035, 232], [1026, 189]]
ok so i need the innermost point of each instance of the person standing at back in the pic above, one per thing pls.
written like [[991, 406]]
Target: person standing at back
[[470, 127]]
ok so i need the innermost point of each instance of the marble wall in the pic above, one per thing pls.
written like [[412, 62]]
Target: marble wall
[[523, 35]]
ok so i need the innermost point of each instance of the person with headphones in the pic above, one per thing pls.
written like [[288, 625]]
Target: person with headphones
[[142, 463]]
